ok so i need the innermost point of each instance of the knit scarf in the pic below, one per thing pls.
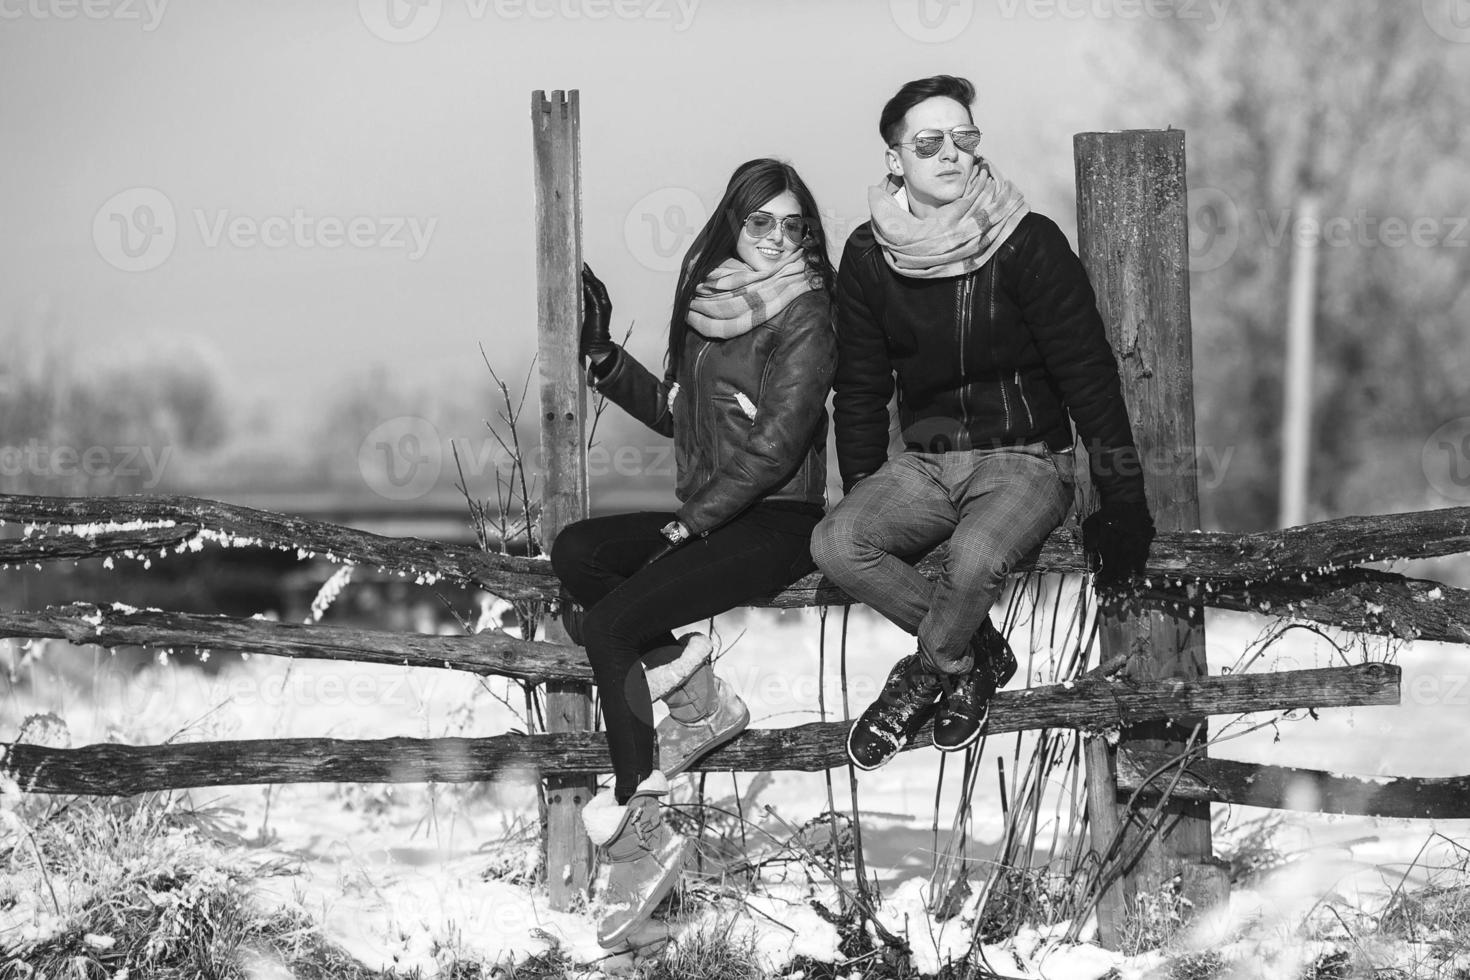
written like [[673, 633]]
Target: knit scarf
[[735, 298], [957, 237]]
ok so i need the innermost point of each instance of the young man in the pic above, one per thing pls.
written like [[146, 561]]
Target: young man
[[985, 316]]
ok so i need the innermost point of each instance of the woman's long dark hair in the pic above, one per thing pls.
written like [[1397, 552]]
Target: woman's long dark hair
[[752, 185]]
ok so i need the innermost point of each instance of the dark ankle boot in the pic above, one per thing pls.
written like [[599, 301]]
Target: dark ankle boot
[[966, 701], [906, 702]]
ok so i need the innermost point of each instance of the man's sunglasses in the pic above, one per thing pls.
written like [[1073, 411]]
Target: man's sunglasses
[[759, 224], [927, 142]]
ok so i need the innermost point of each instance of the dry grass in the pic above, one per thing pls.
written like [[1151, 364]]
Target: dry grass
[[138, 888], [714, 952]]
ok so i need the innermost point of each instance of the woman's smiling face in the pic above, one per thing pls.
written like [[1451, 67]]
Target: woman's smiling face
[[775, 248]]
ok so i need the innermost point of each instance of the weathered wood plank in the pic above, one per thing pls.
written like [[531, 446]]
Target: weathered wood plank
[[153, 543], [1093, 704], [1407, 608], [556, 125], [1133, 239], [1214, 557], [491, 652], [1286, 788], [1363, 600], [220, 523]]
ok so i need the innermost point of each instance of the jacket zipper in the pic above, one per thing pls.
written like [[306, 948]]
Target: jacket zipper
[[1030, 420], [959, 321], [699, 404], [694, 372], [1005, 399]]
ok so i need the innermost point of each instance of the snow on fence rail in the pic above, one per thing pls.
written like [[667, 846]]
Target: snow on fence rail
[[1306, 572], [1303, 572]]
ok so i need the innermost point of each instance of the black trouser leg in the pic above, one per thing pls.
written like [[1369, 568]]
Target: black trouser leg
[[632, 609]]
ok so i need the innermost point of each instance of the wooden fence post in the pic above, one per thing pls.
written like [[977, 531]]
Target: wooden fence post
[[1133, 237], [556, 128]]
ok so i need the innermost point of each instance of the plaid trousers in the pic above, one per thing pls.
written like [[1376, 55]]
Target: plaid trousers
[[994, 506]]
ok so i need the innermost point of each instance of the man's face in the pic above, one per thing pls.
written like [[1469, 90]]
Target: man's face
[[941, 178]]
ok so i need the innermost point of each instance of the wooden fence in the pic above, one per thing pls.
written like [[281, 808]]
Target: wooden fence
[[1308, 573], [1302, 573]]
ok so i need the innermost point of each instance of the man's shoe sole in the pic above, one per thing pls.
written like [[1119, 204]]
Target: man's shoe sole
[[877, 765], [969, 741]]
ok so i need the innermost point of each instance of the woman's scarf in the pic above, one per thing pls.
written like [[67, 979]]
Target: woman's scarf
[[735, 298], [955, 238]]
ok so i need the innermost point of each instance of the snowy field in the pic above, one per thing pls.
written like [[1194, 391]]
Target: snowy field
[[394, 873]]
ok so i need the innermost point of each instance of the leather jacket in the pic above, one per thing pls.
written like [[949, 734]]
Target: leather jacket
[[748, 414]]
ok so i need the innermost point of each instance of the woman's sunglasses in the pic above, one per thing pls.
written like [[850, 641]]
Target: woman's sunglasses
[[759, 224], [927, 142]]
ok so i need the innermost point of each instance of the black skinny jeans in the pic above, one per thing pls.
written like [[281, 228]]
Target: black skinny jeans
[[631, 609]]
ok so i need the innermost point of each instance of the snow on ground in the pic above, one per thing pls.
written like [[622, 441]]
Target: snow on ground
[[396, 872]]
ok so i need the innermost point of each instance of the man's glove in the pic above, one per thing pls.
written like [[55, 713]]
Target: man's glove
[[848, 485], [596, 342], [1116, 540]]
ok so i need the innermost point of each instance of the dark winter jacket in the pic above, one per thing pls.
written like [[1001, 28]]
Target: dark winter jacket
[[995, 357], [748, 414]]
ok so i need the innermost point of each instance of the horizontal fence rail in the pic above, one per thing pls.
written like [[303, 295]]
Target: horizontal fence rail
[[493, 652], [1362, 600], [486, 652], [1091, 703], [1303, 572], [1285, 788], [149, 542], [213, 522]]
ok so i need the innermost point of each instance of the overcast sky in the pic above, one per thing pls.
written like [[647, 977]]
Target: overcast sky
[[307, 189]]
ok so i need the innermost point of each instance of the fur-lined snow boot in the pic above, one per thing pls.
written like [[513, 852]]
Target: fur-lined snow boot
[[645, 856], [669, 667], [704, 713]]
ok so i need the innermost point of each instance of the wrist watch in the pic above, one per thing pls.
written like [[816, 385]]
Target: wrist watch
[[675, 532]]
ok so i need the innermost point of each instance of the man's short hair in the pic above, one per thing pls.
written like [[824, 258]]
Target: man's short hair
[[890, 123]]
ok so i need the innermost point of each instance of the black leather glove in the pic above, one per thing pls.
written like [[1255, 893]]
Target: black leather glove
[[1116, 540], [848, 485], [596, 342]]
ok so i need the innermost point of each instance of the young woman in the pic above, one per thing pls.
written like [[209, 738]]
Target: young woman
[[750, 361]]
